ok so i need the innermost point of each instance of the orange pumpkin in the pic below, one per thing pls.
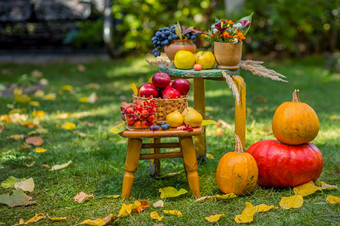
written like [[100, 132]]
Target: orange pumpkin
[[237, 171], [295, 123]]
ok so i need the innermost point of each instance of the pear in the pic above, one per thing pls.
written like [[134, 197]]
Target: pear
[[192, 117], [174, 119]]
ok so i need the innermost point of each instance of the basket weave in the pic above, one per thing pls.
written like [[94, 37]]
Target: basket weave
[[166, 106]]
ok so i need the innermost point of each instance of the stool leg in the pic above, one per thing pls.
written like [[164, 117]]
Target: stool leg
[[155, 169], [190, 164], [131, 164]]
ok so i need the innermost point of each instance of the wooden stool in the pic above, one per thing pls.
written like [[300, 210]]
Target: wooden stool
[[135, 144]]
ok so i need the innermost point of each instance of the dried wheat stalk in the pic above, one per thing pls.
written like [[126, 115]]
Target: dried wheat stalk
[[255, 68], [159, 62], [232, 86]]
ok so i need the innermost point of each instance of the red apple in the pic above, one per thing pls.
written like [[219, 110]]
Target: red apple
[[147, 90], [161, 80], [182, 85], [171, 93]]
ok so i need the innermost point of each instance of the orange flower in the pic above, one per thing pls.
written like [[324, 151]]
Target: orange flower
[[241, 36], [230, 22]]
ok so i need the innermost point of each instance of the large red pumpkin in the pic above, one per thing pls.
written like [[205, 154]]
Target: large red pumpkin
[[283, 165]]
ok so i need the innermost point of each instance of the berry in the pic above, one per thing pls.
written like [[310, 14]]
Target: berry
[[154, 127], [164, 127]]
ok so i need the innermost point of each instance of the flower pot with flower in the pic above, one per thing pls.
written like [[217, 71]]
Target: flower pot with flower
[[226, 37], [173, 39]]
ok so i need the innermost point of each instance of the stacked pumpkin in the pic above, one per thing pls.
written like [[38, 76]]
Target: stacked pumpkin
[[290, 160]]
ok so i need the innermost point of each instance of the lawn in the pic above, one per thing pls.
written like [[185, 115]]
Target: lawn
[[99, 157]]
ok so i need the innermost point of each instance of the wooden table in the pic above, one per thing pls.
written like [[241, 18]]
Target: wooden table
[[199, 78], [135, 144]]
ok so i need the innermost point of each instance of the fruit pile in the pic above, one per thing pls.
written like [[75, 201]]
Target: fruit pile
[[140, 114], [162, 87], [163, 37]]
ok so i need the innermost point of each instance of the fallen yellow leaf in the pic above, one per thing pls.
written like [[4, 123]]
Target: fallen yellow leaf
[[40, 150], [10, 182], [226, 196], [100, 221], [214, 218], [39, 114], [67, 88], [50, 96], [154, 215], [169, 192], [25, 185], [294, 201], [82, 196], [92, 86], [125, 210], [208, 122], [39, 93], [62, 166], [37, 217], [68, 125], [247, 214], [325, 186], [17, 91], [56, 218], [210, 156], [38, 131], [204, 198], [334, 117], [158, 204], [306, 189], [64, 115], [84, 99], [16, 137], [143, 205], [112, 196], [22, 99], [34, 103], [30, 164], [173, 212], [263, 208], [332, 199]]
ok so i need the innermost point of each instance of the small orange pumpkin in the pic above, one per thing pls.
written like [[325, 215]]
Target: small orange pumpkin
[[295, 123], [237, 171]]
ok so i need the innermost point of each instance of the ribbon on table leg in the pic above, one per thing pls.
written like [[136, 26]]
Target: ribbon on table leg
[[229, 80]]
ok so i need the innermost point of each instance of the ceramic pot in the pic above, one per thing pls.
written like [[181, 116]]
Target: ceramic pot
[[228, 55], [177, 45]]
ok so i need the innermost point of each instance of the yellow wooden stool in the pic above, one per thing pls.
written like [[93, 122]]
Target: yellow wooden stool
[[187, 152]]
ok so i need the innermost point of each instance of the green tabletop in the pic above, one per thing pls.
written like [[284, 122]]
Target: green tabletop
[[211, 73]]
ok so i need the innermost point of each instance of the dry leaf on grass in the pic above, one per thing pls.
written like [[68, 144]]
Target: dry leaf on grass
[[306, 189], [154, 215], [68, 125], [332, 199], [56, 218], [294, 201], [325, 186], [37, 141], [226, 196], [38, 114], [62, 166], [214, 218], [16, 137], [39, 93], [38, 131], [170, 192], [45, 166], [210, 156], [34, 103], [263, 208], [25, 185], [112, 196], [82, 196], [30, 164], [100, 221], [64, 115], [169, 174], [204, 198], [10, 182], [92, 86], [24, 146], [125, 210], [17, 198], [173, 212], [36, 218], [40, 150], [67, 88], [143, 205], [50, 96], [247, 214], [158, 204]]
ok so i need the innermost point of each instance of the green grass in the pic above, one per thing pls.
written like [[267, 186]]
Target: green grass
[[98, 161]]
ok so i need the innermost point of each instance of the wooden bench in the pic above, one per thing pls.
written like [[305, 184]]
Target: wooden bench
[[135, 144]]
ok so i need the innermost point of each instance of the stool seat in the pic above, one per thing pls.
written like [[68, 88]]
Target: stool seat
[[135, 144]]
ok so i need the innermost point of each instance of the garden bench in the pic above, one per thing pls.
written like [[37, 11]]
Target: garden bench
[[29, 21], [135, 144]]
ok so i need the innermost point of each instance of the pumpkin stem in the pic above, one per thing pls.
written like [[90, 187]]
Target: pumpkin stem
[[238, 145], [296, 98]]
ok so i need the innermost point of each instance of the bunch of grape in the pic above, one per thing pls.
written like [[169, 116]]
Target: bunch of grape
[[164, 36]]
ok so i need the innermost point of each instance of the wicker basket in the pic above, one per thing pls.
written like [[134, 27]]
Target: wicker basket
[[166, 106]]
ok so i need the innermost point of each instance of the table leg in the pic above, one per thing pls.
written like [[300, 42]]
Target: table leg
[[190, 164], [155, 167], [131, 164], [240, 110], [199, 105]]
